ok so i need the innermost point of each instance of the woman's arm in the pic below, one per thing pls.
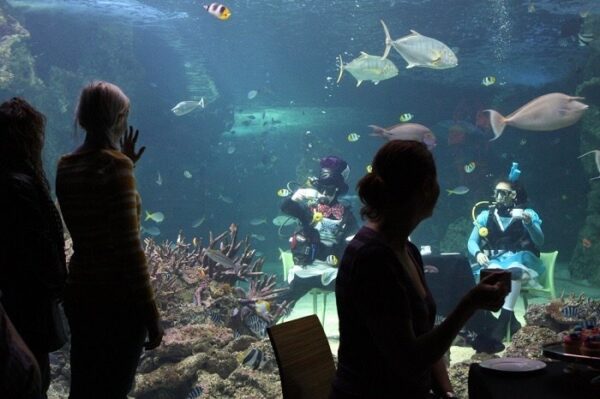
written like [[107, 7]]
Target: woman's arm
[[441, 380], [383, 303]]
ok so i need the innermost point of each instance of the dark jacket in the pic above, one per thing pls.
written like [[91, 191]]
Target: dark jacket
[[32, 259]]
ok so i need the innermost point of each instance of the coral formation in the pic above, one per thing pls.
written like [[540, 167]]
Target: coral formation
[[454, 240], [16, 63], [208, 300]]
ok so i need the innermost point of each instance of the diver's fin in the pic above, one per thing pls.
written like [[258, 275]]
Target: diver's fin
[[497, 121], [341, 69], [388, 41]]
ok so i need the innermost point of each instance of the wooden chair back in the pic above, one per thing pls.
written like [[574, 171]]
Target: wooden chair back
[[304, 358]]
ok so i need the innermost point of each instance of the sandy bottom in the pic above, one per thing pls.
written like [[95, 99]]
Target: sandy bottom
[[563, 283]]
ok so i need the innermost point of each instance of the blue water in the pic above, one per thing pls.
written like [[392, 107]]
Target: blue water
[[286, 50]]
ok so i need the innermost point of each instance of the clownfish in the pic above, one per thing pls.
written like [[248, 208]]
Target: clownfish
[[218, 10]]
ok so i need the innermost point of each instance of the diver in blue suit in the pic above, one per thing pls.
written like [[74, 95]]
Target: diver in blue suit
[[508, 236]]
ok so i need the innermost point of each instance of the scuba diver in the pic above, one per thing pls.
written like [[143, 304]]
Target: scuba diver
[[326, 225], [507, 236]]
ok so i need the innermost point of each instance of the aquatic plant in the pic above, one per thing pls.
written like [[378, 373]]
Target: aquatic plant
[[224, 281]]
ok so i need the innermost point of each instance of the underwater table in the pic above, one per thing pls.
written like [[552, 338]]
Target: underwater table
[[550, 382]]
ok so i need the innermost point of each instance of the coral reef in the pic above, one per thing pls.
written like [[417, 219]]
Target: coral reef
[[456, 236], [16, 63], [215, 304]]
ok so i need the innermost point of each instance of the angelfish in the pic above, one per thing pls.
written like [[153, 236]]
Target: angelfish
[[185, 107], [548, 112]]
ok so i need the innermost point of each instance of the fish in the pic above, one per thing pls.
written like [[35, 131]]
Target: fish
[[596, 159], [225, 199], [570, 311], [262, 308], [488, 80], [257, 325], [230, 149], [157, 217], [545, 113], [586, 243], [368, 67], [218, 10], [195, 392], [584, 39], [254, 359], [405, 117], [258, 237], [369, 168], [283, 192], [531, 8], [159, 180], [353, 137], [332, 260], [406, 131], [420, 51], [186, 107], [187, 174], [151, 231], [198, 222], [219, 257], [251, 95], [460, 190], [285, 220], [258, 221], [470, 167]]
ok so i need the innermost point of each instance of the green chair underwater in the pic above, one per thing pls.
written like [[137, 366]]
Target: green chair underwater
[[287, 260], [546, 280]]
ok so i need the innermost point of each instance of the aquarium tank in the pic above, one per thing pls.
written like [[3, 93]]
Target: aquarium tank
[[238, 104]]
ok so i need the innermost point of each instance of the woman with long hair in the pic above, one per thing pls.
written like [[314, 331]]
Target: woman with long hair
[[109, 301], [389, 347], [32, 256]]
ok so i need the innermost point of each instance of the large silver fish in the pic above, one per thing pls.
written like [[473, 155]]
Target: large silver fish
[[545, 113], [185, 107], [368, 67], [418, 50]]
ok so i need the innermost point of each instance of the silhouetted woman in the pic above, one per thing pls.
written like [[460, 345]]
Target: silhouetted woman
[[388, 345], [109, 300], [32, 256]]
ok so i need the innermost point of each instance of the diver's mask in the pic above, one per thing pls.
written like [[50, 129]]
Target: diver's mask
[[505, 197]]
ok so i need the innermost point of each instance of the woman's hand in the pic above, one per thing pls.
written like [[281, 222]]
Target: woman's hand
[[489, 294], [128, 142]]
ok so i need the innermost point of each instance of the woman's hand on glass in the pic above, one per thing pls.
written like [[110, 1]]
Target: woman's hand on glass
[[128, 142]]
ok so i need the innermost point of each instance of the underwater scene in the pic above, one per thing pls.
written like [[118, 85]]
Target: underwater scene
[[242, 103]]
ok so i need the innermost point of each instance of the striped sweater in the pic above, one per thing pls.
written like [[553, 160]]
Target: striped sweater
[[101, 208]]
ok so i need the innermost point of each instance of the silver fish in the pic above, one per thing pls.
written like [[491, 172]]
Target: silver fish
[[220, 257], [420, 51], [186, 107], [548, 112], [368, 67]]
